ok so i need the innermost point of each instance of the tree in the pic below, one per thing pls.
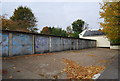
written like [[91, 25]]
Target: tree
[[111, 15], [78, 26], [54, 31], [75, 35], [69, 31], [25, 17], [45, 30], [8, 24]]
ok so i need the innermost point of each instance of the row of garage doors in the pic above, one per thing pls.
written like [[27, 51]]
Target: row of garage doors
[[22, 44]]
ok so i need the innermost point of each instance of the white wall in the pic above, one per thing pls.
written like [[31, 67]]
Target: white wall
[[102, 41], [114, 47]]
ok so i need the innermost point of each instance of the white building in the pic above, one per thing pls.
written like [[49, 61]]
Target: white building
[[100, 37]]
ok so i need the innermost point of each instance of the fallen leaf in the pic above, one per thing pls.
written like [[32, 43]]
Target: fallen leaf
[[18, 71], [76, 71], [55, 77], [10, 77], [42, 75], [103, 61], [61, 71], [92, 55], [14, 67]]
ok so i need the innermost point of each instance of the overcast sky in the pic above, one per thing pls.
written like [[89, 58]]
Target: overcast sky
[[58, 14]]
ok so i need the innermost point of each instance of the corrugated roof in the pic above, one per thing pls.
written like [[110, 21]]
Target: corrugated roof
[[93, 33]]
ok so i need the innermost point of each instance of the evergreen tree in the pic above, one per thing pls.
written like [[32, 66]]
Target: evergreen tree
[[26, 18]]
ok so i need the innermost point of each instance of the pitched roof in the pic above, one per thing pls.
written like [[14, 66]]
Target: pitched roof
[[93, 33]]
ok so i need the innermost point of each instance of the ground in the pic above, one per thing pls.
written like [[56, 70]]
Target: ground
[[47, 66]]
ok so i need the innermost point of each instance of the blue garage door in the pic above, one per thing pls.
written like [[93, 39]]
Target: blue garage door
[[22, 44], [41, 44], [3, 44]]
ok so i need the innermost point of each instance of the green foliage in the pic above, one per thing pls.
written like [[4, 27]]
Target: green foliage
[[69, 31], [75, 35], [54, 31], [78, 25], [111, 25], [115, 42], [60, 32], [25, 17]]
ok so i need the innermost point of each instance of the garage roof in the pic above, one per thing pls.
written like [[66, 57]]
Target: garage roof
[[93, 33]]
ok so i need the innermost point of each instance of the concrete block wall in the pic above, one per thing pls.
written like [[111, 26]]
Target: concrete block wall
[[16, 43]]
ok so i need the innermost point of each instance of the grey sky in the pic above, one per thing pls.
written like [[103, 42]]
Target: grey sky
[[59, 14]]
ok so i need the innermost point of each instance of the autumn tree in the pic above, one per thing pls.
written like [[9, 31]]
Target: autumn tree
[[110, 12], [8, 24], [45, 30], [54, 31], [25, 17]]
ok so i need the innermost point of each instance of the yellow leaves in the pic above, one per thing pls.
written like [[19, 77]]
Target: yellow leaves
[[10, 77], [110, 13], [103, 61], [75, 71], [14, 67], [64, 69], [92, 55], [42, 75]]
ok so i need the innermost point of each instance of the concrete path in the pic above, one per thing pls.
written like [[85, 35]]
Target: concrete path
[[111, 71], [49, 66]]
